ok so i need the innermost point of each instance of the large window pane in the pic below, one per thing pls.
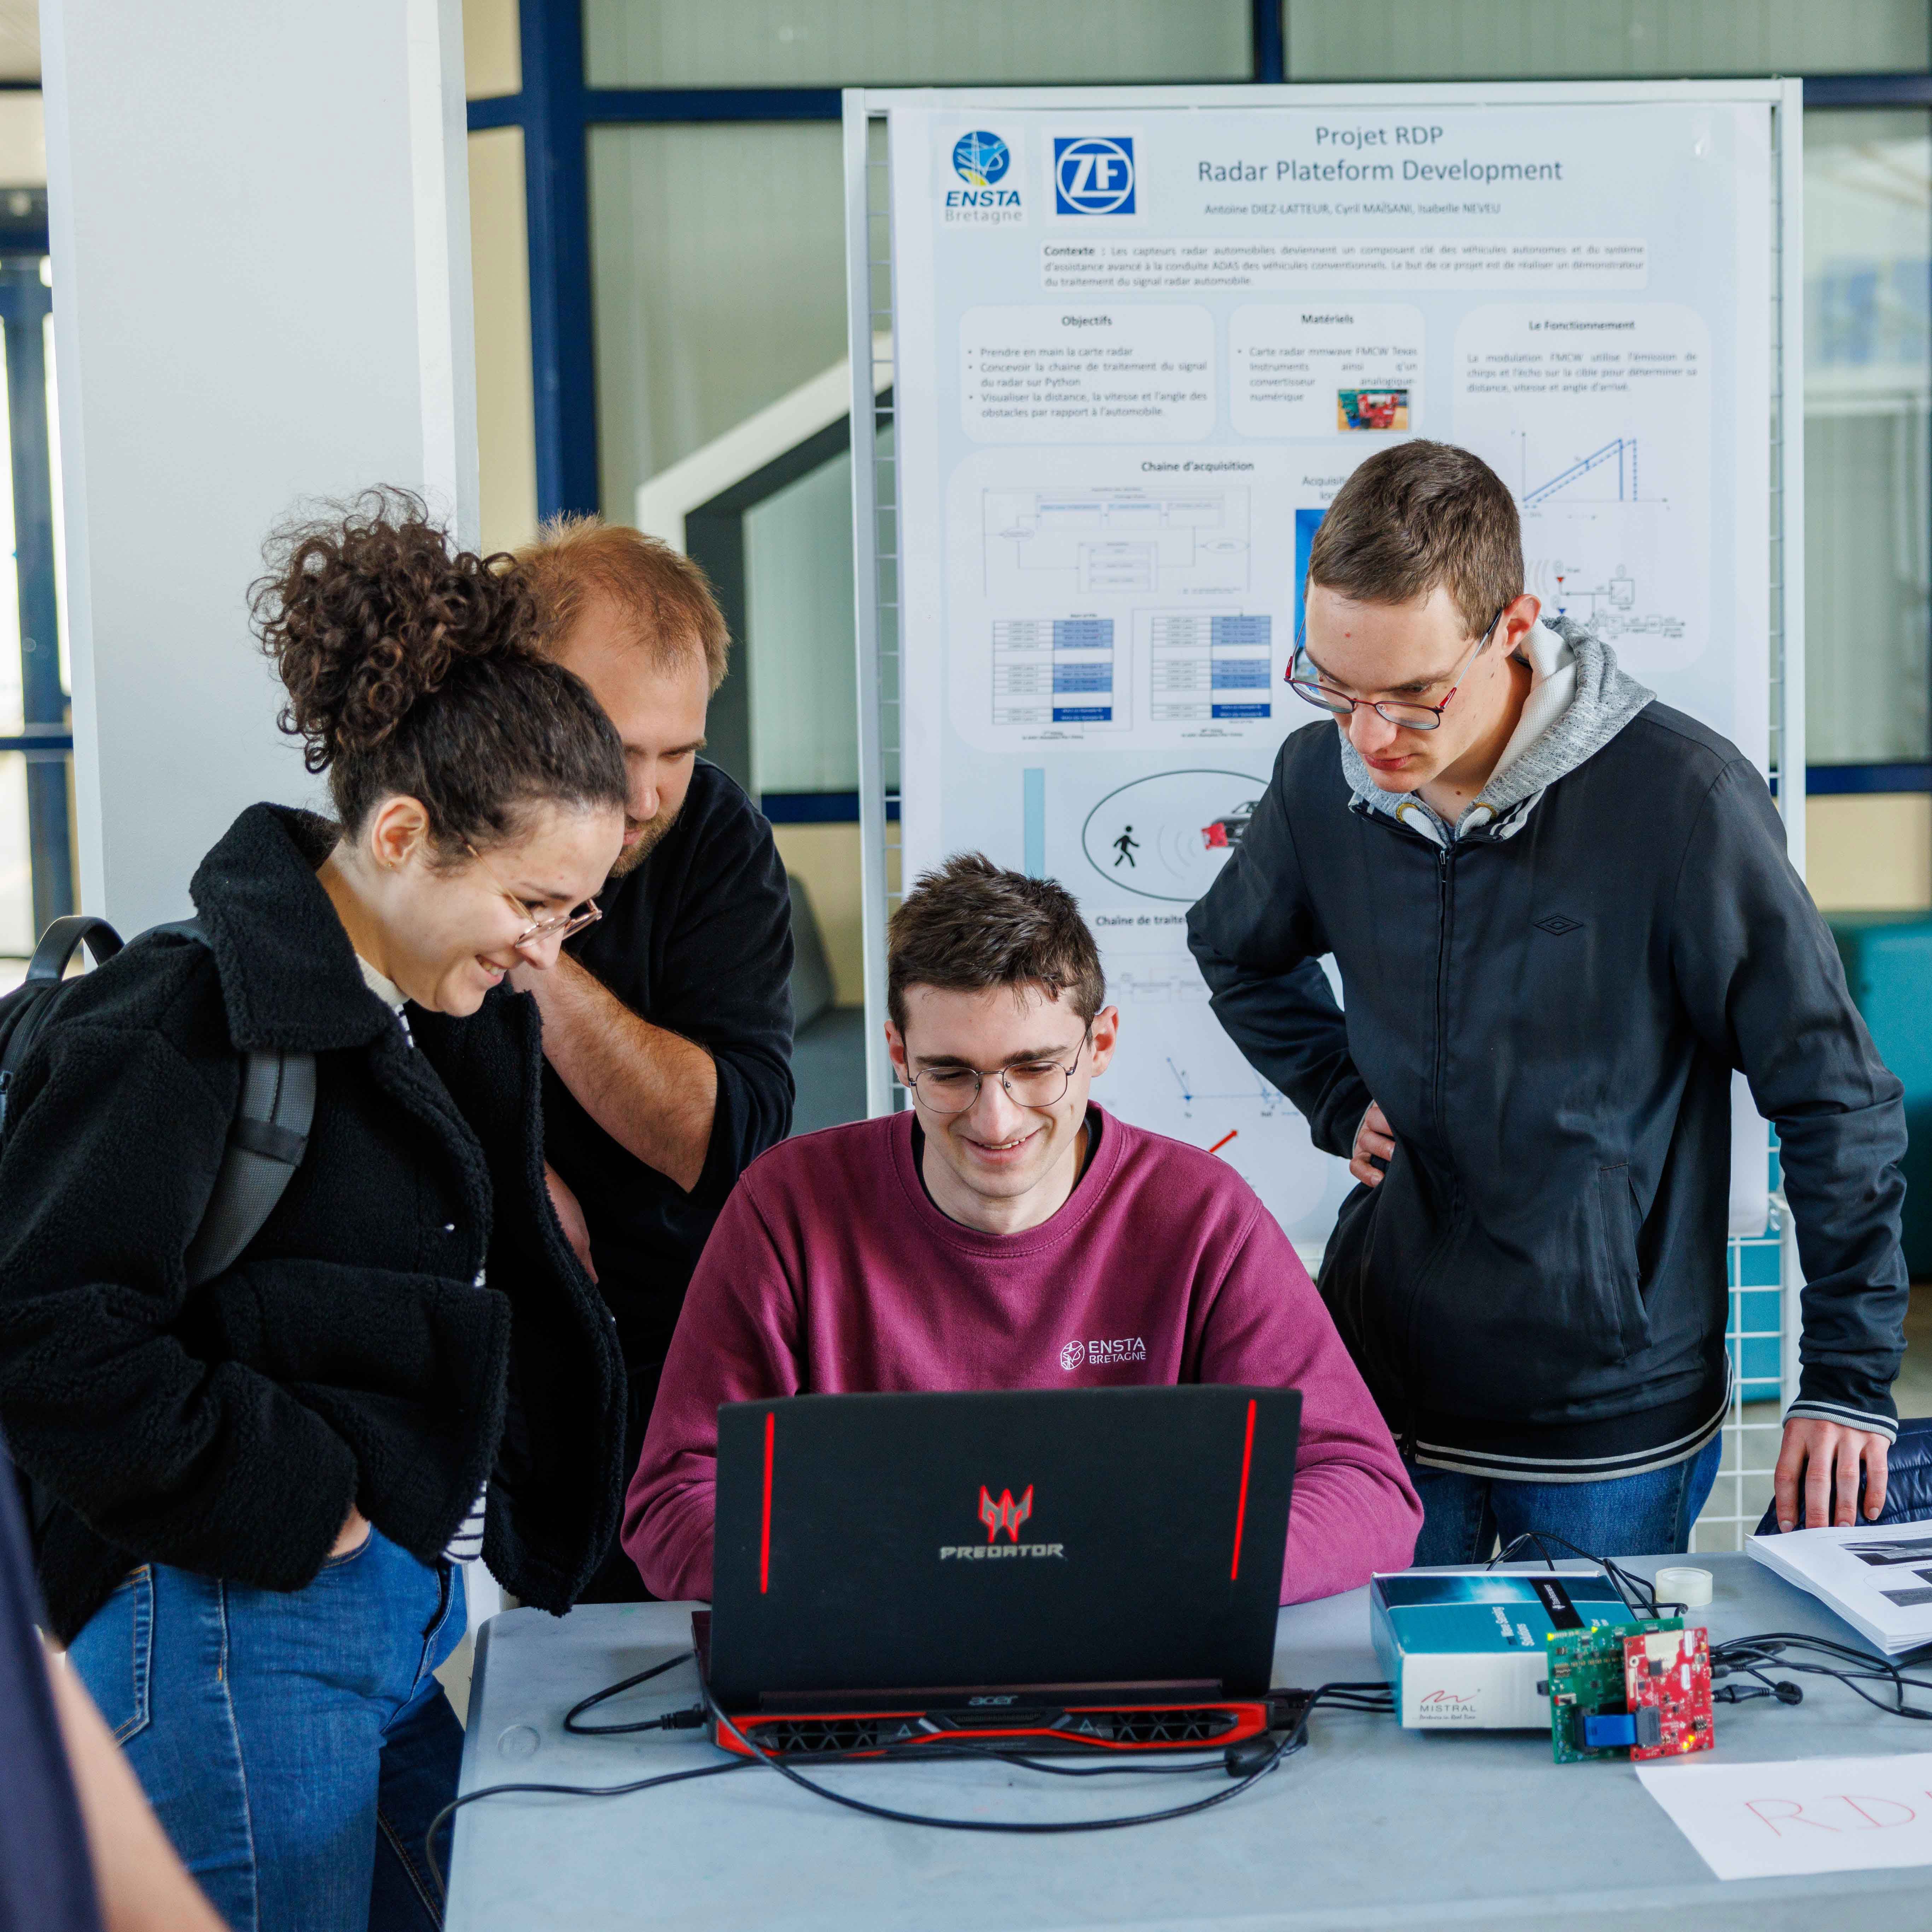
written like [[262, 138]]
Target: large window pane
[[832, 43], [1867, 390], [718, 258], [13, 681], [799, 610], [1549, 40], [16, 871]]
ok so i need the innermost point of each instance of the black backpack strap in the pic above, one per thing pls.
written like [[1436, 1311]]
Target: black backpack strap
[[266, 1142], [24, 1011], [62, 940]]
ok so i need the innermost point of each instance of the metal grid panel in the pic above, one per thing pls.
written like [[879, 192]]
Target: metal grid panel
[[1761, 1328], [1766, 1281], [1754, 1338]]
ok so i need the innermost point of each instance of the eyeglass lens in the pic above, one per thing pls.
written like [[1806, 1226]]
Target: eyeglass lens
[[952, 1090], [562, 923], [1305, 685]]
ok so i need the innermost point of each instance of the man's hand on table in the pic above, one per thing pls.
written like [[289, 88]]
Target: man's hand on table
[[1814, 1450]]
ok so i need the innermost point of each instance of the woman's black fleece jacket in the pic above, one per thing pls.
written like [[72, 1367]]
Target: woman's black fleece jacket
[[349, 1356]]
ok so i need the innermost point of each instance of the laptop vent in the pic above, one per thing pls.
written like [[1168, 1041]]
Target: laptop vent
[[1153, 1727], [827, 1736]]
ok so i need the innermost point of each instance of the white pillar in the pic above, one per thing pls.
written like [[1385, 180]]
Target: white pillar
[[259, 226]]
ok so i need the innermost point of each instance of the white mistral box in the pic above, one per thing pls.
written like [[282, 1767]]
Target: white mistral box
[[1468, 1649]]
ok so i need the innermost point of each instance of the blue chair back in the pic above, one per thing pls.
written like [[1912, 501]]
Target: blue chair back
[[1908, 1479]]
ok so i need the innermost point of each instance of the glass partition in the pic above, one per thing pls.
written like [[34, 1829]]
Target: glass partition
[[1867, 424], [844, 43], [718, 264]]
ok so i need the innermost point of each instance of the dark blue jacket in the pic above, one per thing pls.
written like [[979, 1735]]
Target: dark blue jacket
[[1548, 1010]]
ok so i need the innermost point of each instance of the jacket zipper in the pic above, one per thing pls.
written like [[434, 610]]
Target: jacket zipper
[[1405, 1440], [1441, 981], [1445, 857]]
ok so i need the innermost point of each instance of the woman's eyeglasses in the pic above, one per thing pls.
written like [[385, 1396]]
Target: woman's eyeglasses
[[1305, 683], [539, 925]]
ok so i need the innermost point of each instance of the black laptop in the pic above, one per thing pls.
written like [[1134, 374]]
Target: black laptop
[[1084, 1569]]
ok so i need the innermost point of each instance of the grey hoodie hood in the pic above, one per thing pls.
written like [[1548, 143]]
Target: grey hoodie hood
[[1579, 700]]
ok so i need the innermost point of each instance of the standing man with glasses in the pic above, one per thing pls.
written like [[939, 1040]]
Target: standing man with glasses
[[666, 1024], [1004, 1233], [1562, 915]]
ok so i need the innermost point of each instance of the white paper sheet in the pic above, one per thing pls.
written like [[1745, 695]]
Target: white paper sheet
[[1782, 1820]]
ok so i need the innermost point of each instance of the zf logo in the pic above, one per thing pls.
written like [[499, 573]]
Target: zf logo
[[1093, 174]]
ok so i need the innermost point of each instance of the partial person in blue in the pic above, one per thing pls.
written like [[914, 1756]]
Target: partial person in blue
[[80, 1851], [1562, 913]]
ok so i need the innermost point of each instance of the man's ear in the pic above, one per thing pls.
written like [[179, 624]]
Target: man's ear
[[1519, 619], [1106, 1037], [895, 1046]]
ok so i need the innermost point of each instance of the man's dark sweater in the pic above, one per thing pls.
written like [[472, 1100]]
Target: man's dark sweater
[[697, 940]]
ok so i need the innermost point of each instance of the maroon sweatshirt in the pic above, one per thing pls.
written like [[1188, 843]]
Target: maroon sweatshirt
[[830, 1272]]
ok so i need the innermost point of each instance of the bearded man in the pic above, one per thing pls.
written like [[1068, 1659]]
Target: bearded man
[[666, 1025]]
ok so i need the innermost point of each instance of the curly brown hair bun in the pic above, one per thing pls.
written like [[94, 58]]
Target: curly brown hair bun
[[410, 670]]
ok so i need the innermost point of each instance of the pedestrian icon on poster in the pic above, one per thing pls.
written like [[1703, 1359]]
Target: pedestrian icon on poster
[[1126, 845]]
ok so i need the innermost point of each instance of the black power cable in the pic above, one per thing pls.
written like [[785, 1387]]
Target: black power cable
[[1246, 1762], [671, 1720], [1790, 1650], [1638, 1593], [456, 1804]]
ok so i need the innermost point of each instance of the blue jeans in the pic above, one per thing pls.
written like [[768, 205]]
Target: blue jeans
[[1629, 1516], [295, 1745]]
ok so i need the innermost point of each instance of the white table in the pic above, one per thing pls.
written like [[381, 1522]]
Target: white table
[[1370, 1826]]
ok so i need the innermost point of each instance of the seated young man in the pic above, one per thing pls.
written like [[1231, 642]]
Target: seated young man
[[1006, 1234]]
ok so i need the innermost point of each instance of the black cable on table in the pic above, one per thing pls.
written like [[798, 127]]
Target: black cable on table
[[456, 1804], [1855, 1668], [1374, 1697], [1638, 1594], [664, 1722]]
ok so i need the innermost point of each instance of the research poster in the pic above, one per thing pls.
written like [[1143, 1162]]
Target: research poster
[[1136, 355]]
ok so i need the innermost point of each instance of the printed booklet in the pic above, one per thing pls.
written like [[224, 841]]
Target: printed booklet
[[1877, 1576]]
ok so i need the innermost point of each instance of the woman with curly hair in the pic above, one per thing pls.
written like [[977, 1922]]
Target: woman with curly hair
[[253, 1493]]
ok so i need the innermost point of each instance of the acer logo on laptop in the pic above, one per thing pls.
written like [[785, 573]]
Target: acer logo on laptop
[[998, 1514]]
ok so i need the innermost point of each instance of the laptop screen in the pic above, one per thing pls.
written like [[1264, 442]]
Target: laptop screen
[[1040, 1538]]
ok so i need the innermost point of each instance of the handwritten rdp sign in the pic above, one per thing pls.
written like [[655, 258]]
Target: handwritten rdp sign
[[1810, 1815]]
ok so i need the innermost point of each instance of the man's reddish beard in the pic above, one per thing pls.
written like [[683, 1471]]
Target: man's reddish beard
[[635, 852]]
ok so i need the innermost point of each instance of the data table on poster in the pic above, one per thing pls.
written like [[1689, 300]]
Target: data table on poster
[[1140, 342]]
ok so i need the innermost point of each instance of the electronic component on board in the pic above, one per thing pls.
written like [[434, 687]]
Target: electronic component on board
[[1630, 1690], [1667, 1685]]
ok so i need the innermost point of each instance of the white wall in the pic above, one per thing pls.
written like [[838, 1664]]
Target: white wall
[[259, 215]]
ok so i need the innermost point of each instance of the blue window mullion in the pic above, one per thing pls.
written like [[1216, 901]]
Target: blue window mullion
[[557, 201]]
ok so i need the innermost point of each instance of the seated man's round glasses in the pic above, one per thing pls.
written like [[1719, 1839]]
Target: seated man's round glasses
[[1031, 1083], [539, 926], [1306, 683]]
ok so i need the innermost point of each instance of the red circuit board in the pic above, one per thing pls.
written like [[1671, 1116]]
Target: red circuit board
[[1669, 1673]]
